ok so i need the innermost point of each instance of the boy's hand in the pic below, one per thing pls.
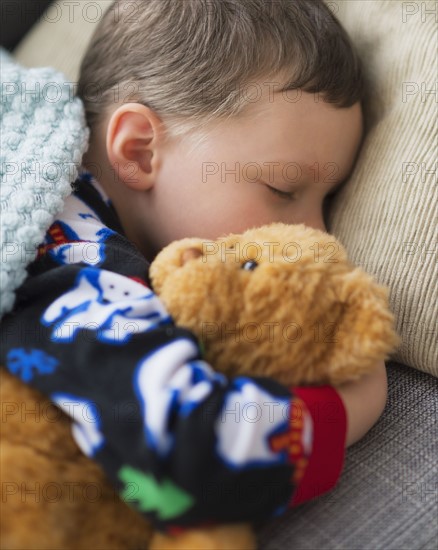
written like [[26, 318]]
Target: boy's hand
[[364, 402]]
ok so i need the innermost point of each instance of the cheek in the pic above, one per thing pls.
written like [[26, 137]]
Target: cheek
[[213, 209], [238, 217]]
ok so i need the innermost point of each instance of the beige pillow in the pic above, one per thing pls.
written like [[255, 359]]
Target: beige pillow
[[61, 36], [386, 215]]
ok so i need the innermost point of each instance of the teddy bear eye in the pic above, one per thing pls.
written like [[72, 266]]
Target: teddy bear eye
[[249, 265]]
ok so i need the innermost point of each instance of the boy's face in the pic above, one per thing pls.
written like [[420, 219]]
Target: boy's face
[[295, 144]]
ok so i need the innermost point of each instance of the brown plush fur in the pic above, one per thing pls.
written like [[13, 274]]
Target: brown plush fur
[[53, 496], [305, 315], [338, 326]]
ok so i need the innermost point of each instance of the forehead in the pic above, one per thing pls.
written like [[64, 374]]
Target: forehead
[[293, 126]]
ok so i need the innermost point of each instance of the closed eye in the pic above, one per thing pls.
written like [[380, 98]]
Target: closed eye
[[287, 195]]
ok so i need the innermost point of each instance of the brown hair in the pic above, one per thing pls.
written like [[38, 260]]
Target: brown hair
[[191, 60]]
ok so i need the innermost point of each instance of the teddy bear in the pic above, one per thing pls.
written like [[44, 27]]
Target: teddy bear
[[281, 301]]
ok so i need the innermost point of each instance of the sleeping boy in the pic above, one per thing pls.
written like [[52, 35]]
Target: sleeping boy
[[210, 117]]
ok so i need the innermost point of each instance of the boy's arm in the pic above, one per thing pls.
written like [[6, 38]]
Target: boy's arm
[[183, 444], [341, 415], [364, 401], [201, 426]]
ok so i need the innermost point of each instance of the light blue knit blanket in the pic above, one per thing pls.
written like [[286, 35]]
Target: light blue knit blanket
[[43, 137]]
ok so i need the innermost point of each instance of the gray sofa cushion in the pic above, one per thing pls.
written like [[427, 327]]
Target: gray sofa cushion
[[387, 496]]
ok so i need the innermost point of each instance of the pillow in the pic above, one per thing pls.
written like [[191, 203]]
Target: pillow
[[17, 18], [61, 36], [386, 215]]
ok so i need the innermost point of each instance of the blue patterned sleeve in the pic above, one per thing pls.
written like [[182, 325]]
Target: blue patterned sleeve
[[181, 443]]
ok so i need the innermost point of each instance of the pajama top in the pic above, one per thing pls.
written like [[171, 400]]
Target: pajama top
[[181, 443]]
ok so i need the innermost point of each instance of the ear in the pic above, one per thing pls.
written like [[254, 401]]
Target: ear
[[190, 254], [132, 143], [173, 256], [365, 331]]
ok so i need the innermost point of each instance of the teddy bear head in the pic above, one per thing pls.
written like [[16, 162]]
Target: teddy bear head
[[279, 300]]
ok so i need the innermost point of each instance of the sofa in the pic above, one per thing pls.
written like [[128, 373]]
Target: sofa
[[387, 496]]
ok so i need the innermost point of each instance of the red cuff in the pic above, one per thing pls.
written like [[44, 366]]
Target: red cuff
[[317, 473]]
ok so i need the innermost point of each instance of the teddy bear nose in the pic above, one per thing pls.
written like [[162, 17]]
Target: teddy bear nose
[[190, 254]]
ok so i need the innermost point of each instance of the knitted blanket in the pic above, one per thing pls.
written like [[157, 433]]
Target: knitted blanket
[[43, 139]]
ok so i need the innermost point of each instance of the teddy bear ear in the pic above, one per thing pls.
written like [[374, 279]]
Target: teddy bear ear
[[365, 332], [170, 259], [191, 253]]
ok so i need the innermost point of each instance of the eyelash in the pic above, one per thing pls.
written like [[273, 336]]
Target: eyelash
[[287, 195], [291, 195]]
